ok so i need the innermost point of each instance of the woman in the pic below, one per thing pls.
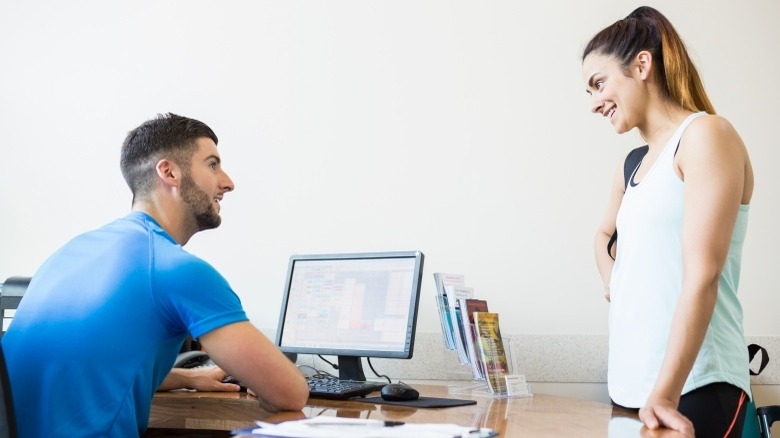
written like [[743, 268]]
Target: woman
[[677, 351]]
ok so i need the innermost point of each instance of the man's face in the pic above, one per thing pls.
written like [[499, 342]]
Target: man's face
[[204, 184]]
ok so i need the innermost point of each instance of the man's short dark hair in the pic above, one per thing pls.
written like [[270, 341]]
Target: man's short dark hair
[[167, 136]]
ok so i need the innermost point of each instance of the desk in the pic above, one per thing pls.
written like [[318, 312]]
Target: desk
[[176, 413]]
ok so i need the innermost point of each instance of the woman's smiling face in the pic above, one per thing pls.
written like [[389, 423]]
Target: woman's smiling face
[[615, 93]]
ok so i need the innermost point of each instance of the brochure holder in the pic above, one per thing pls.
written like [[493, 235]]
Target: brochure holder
[[468, 326], [461, 380]]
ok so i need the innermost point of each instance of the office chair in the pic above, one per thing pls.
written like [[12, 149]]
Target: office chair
[[766, 416], [758, 421], [11, 293], [7, 416]]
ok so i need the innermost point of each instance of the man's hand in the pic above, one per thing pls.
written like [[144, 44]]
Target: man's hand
[[201, 379], [663, 413]]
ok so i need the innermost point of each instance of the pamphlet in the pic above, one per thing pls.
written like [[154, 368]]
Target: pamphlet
[[442, 303], [468, 306], [492, 353], [454, 295]]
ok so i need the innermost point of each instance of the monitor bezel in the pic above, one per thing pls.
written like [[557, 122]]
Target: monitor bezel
[[418, 257]]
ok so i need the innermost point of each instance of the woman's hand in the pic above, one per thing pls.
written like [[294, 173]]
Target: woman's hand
[[663, 413]]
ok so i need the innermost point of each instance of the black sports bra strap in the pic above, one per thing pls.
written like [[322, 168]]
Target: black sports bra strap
[[633, 160]]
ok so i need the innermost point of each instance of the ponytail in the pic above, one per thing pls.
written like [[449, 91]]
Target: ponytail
[[647, 29]]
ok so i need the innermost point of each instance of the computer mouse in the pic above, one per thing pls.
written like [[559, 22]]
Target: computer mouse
[[399, 392], [231, 379]]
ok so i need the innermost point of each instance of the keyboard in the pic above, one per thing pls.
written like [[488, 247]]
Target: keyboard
[[327, 386]]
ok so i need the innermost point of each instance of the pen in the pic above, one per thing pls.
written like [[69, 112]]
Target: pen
[[363, 423], [481, 433]]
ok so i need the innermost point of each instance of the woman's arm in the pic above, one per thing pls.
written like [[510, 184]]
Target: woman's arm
[[605, 260], [713, 163]]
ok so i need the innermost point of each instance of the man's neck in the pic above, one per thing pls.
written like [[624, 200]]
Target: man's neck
[[170, 219]]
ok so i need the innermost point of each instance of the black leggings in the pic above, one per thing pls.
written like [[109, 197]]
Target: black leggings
[[716, 410]]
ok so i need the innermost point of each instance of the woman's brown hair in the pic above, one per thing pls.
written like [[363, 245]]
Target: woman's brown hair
[[647, 29]]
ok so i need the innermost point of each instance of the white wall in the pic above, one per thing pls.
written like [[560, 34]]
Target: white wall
[[457, 128]]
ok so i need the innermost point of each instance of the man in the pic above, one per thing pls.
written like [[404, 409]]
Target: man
[[104, 317]]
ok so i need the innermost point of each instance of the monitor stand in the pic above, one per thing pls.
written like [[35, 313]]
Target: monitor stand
[[351, 368]]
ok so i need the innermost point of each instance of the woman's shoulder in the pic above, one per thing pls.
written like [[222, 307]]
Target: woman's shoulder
[[710, 136], [710, 124], [708, 131]]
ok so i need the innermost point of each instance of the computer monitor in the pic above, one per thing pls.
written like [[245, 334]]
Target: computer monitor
[[351, 306]]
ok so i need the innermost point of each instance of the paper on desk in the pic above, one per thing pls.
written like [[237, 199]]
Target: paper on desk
[[322, 427]]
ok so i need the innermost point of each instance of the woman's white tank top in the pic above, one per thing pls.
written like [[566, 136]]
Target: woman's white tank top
[[645, 286]]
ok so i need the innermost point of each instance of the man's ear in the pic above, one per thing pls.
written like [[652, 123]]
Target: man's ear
[[168, 172], [643, 64]]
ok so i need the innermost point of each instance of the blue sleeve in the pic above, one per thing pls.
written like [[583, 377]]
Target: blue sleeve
[[193, 297]]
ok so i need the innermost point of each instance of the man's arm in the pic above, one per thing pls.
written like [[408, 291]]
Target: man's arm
[[201, 379], [248, 355]]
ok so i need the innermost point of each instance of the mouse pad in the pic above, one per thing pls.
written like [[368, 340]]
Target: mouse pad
[[422, 402]]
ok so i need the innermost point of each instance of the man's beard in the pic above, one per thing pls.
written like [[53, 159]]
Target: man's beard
[[200, 204]]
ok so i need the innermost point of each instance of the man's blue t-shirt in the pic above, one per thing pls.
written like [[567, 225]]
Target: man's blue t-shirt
[[101, 324]]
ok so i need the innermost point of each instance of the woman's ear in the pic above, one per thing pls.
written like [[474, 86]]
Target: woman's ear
[[643, 63], [168, 172]]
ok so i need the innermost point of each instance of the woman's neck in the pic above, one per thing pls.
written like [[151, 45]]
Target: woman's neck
[[661, 122]]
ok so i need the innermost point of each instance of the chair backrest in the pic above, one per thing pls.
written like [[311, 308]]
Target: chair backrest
[[7, 416], [766, 416], [751, 429], [11, 293], [758, 422]]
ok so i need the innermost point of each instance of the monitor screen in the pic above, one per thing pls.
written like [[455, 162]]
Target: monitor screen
[[351, 306]]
